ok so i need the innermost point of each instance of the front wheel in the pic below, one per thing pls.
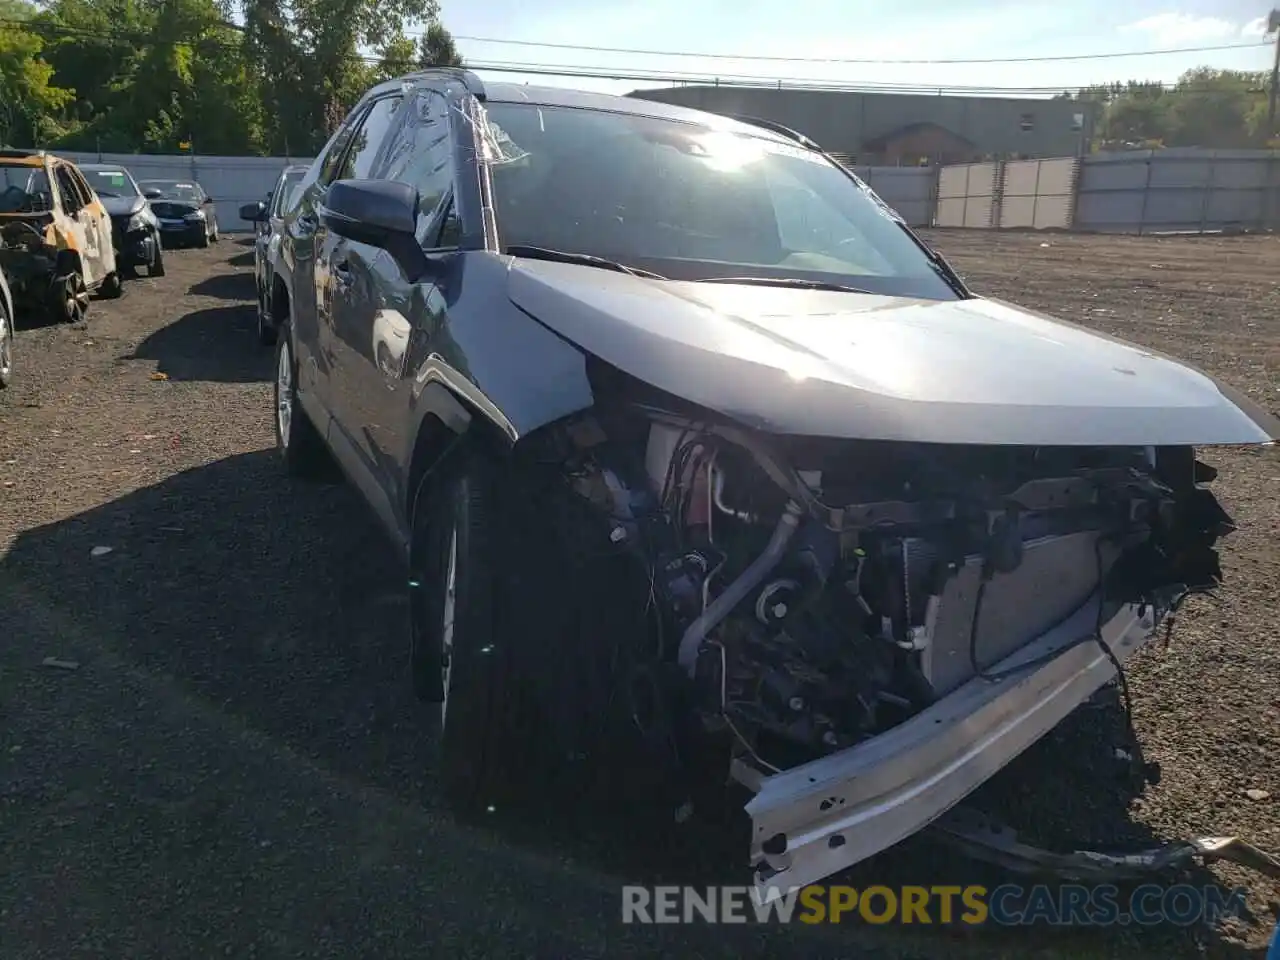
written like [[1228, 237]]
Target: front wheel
[[70, 297], [459, 655], [111, 286], [299, 443]]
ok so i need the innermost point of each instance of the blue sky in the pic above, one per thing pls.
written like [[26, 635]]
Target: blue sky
[[850, 29]]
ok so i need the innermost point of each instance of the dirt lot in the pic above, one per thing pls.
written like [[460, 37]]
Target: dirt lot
[[236, 767]]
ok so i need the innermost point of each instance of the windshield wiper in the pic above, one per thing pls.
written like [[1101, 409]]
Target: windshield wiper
[[787, 282], [583, 259], [107, 193]]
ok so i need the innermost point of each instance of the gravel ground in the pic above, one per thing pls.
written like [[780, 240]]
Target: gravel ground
[[236, 768]]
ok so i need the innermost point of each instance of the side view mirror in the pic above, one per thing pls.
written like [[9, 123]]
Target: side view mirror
[[253, 212], [381, 213], [153, 194], [206, 201]]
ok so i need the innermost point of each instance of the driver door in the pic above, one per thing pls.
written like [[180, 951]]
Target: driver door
[[97, 220], [73, 224]]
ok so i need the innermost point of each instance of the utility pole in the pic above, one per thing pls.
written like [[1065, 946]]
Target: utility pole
[[1273, 26]]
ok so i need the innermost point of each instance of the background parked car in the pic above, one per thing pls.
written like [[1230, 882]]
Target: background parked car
[[55, 237], [134, 229], [265, 217], [186, 213]]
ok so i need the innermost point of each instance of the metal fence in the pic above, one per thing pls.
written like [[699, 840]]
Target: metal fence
[[1179, 190], [909, 190], [1187, 190]]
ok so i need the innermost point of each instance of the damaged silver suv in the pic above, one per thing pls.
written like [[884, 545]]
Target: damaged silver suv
[[692, 447]]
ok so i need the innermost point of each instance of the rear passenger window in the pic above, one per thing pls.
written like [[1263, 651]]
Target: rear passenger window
[[66, 187], [422, 155], [369, 139], [329, 167], [81, 185]]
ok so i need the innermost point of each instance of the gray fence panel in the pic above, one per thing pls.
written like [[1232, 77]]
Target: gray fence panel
[[1178, 190], [909, 190], [230, 181]]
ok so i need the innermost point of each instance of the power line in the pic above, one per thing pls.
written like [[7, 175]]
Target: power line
[[856, 60], [604, 73]]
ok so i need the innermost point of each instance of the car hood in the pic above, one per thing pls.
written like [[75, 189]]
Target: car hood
[[877, 367], [122, 206]]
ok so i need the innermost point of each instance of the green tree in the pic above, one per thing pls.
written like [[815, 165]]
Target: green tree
[[437, 48], [31, 104]]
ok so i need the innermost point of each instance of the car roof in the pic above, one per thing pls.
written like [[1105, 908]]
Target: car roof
[[587, 100]]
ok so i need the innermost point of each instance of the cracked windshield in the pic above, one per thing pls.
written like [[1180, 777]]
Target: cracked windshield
[[654, 480]]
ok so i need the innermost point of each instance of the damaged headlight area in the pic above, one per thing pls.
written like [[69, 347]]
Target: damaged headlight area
[[803, 597]]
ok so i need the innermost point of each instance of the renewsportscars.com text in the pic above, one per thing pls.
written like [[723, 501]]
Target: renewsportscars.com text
[[972, 905]]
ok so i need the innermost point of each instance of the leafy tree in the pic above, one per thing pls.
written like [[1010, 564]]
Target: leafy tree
[[437, 48], [30, 102]]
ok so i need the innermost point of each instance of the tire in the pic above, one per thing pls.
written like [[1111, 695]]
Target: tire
[[204, 238], [156, 267], [111, 286], [69, 299], [301, 448], [213, 235], [6, 348], [465, 668]]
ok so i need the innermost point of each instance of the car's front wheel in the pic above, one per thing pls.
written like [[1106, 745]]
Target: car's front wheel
[[69, 297], [459, 655], [299, 443]]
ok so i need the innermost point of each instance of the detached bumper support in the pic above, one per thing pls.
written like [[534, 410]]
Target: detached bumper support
[[814, 820], [978, 836]]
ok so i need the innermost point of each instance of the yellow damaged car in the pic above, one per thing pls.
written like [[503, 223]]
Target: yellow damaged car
[[55, 236]]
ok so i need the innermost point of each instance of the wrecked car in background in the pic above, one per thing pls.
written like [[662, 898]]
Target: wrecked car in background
[[55, 236], [762, 480]]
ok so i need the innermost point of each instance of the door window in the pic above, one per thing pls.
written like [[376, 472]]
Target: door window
[[329, 166], [422, 155], [82, 186], [71, 201], [369, 139]]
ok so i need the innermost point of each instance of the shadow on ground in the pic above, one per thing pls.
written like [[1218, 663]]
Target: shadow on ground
[[280, 604], [225, 286], [242, 259], [218, 344]]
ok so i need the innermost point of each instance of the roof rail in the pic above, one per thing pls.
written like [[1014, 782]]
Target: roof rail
[[473, 84], [776, 127]]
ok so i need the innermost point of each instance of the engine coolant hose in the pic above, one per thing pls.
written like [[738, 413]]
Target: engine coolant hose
[[733, 594]]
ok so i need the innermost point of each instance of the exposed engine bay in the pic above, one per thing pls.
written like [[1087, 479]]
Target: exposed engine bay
[[805, 595], [29, 258]]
